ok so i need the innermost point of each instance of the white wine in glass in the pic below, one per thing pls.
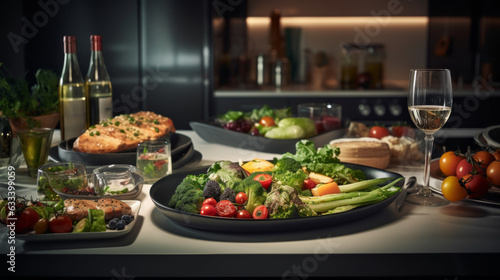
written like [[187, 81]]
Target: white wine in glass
[[430, 100]]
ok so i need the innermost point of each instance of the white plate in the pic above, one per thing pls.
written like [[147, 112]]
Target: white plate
[[492, 197], [109, 233]]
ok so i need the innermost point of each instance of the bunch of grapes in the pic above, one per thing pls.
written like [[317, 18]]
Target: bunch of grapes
[[239, 125]]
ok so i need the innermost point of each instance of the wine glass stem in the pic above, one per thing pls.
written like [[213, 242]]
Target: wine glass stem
[[429, 142]]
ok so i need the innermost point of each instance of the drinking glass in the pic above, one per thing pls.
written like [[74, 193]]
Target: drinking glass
[[154, 159], [35, 143], [429, 102]]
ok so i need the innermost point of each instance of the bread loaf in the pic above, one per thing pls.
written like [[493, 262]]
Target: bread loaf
[[365, 151], [123, 132]]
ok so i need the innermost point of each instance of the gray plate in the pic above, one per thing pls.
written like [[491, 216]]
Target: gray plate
[[216, 134]]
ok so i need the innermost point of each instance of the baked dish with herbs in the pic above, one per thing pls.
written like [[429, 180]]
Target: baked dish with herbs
[[123, 132]]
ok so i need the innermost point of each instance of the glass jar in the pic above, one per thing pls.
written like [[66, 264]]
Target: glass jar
[[373, 59], [348, 73]]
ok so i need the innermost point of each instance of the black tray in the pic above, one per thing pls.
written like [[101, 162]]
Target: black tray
[[181, 144], [219, 135], [162, 191]]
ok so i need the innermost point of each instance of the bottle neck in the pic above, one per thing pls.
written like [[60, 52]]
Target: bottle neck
[[71, 70], [97, 68]]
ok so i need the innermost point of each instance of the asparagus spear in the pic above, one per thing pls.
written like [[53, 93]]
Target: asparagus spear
[[329, 202]]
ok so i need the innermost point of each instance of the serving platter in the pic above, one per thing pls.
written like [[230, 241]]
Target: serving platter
[[216, 134], [437, 177], [109, 233], [162, 191], [183, 152]]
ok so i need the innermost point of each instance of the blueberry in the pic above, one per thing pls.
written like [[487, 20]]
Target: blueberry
[[127, 219], [116, 220], [120, 225], [112, 224]]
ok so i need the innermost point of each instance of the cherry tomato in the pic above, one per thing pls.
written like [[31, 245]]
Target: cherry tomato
[[241, 197], [225, 208], [264, 179], [60, 224], [493, 172], [260, 212], [452, 190], [448, 163], [308, 184], [483, 159], [397, 131], [210, 201], [496, 154], [20, 223], [379, 132], [41, 226], [243, 214], [477, 185], [463, 168], [31, 217], [208, 210], [267, 121]]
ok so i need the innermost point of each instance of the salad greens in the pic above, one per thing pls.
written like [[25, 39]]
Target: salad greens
[[256, 114], [324, 161]]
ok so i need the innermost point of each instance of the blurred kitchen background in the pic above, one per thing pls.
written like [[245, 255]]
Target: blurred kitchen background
[[194, 59]]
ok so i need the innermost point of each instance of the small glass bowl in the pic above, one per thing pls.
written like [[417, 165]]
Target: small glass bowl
[[120, 181], [59, 180]]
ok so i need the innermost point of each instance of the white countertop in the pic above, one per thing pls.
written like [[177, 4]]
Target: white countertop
[[386, 243]]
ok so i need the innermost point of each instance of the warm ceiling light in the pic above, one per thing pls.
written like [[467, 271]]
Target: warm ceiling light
[[327, 21]]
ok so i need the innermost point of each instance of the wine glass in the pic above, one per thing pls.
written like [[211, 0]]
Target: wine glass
[[429, 103]]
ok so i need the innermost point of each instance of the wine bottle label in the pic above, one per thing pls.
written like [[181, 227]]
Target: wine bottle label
[[105, 108], [74, 124]]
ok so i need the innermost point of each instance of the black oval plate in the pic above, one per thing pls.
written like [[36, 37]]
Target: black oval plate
[[216, 134], [180, 144], [162, 191]]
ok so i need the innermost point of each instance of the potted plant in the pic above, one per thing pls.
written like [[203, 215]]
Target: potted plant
[[27, 107]]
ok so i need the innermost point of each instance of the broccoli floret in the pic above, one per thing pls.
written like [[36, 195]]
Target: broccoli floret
[[228, 194], [256, 195], [212, 189], [201, 179], [288, 164], [284, 202], [293, 179], [188, 196], [306, 193]]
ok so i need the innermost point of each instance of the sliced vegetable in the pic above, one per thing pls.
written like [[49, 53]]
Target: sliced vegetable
[[260, 212], [257, 165], [324, 189], [320, 178], [225, 208], [264, 179]]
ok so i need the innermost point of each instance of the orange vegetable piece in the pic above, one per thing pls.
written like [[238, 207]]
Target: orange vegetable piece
[[329, 188]]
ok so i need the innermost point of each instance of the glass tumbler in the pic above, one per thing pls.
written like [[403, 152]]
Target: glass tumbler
[[154, 159]]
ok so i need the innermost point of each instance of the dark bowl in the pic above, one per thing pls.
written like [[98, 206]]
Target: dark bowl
[[162, 191], [216, 134], [181, 146]]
